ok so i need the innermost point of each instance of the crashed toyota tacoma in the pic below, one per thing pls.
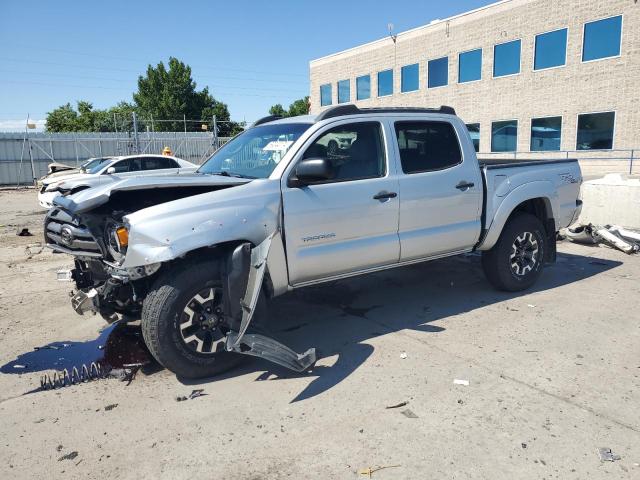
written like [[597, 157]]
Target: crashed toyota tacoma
[[197, 256]]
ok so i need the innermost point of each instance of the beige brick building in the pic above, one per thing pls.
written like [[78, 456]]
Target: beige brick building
[[600, 72]]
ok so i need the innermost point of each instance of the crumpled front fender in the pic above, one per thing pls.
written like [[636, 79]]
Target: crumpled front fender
[[168, 231]]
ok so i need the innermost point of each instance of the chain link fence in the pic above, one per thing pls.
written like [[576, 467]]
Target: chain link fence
[[24, 158]]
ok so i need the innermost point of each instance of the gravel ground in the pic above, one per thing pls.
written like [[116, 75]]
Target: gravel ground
[[554, 374]]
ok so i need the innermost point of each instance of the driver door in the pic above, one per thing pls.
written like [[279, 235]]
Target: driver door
[[348, 223]]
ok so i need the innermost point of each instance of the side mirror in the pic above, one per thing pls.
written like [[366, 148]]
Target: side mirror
[[312, 170], [111, 170]]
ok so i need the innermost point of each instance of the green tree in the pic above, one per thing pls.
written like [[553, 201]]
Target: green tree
[[170, 93], [62, 119], [226, 127], [299, 107], [163, 94], [278, 110]]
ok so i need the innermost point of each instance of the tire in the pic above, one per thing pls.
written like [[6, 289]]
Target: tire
[[516, 261], [163, 313]]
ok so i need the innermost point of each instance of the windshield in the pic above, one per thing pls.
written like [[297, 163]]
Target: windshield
[[255, 152], [99, 164]]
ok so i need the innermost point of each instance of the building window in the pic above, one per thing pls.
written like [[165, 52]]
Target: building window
[[474, 133], [438, 72], [427, 146], [504, 136], [595, 131], [344, 91], [470, 66], [601, 39], [325, 95], [545, 134], [409, 78], [506, 59], [385, 83], [363, 87], [551, 49]]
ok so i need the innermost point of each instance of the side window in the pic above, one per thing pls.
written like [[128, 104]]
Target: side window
[[426, 146], [122, 166], [356, 151], [157, 163], [135, 164]]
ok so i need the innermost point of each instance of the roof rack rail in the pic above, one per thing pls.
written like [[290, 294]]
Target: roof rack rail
[[351, 109], [268, 118]]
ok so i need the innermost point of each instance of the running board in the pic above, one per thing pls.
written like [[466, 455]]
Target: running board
[[264, 347]]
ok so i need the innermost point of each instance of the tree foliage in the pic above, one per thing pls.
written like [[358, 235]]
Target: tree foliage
[[299, 107], [87, 119], [165, 95]]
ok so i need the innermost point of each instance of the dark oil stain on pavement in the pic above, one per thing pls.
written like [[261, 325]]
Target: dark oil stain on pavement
[[117, 345]]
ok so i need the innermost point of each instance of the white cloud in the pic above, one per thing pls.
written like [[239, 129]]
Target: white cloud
[[18, 125]]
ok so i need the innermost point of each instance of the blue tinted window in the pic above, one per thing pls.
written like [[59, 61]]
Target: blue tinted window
[[438, 72], [409, 78], [545, 134], [474, 133], [602, 38], [470, 66], [344, 91], [325, 94], [504, 136], [595, 131], [363, 87], [385, 83], [551, 49], [506, 59]]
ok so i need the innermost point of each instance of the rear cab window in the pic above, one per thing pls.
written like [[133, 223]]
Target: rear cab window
[[427, 146]]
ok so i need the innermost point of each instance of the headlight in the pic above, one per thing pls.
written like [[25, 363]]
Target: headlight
[[117, 237]]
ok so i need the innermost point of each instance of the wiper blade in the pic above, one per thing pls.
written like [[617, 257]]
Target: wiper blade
[[226, 173]]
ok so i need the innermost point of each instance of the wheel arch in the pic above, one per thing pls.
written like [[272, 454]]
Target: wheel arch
[[220, 251], [535, 198]]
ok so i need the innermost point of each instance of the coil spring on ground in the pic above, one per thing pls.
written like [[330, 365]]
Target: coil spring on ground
[[64, 378]]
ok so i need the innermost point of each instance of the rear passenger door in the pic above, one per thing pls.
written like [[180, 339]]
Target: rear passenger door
[[349, 223], [440, 190]]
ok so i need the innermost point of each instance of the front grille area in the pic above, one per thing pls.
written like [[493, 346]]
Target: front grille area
[[65, 234]]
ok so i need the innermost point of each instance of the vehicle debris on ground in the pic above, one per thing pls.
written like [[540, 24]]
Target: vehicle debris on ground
[[613, 236], [194, 394], [606, 455]]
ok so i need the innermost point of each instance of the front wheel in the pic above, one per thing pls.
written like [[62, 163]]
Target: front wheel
[[516, 260], [183, 323]]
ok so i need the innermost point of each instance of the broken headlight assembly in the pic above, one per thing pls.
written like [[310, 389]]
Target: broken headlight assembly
[[117, 240]]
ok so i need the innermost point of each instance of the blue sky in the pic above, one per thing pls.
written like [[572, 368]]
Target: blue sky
[[251, 54]]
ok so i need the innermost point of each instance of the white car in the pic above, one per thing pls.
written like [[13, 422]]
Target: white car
[[108, 169]]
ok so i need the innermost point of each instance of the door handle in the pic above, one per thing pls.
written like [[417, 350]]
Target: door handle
[[463, 185], [385, 195]]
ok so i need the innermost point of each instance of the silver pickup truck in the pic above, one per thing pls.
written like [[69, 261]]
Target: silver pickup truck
[[196, 256]]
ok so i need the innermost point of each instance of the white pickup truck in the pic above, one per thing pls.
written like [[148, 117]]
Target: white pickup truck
[[196, 256]]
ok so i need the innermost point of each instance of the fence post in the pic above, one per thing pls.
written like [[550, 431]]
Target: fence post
[[135, 131], [631, 162], [33, 170], [75, 147], [215, 132]]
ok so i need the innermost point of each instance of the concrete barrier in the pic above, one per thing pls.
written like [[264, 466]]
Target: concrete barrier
[[611, 200]]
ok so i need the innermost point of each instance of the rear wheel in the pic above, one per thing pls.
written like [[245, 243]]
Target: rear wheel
[[183, 323], [516, 260]]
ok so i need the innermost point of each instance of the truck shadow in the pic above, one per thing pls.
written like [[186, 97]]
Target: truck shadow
[[339, 318]]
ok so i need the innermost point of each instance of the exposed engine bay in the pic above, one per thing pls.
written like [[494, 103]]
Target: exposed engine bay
[[98, 242]]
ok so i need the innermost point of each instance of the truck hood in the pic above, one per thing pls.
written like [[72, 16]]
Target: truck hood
[[100, 194]]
